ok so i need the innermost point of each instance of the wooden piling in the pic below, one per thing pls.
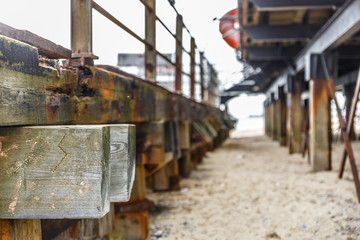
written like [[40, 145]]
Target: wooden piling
[[294, 116], [282, 117]]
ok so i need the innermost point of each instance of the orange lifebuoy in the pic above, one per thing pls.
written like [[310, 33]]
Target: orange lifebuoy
[[228, 30]]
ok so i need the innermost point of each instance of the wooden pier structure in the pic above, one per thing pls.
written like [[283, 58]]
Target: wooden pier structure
[[307, 51], [80, 142]]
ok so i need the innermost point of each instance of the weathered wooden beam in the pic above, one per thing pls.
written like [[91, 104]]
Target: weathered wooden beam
[[283, 5], [20, 229], [45, 47], [122, 161], [51, 172], [33, 95], [150, 37]]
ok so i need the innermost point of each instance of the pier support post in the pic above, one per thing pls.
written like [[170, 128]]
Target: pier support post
[[319, 110], [282, 116], [294, 115], [276, 119], [349, 90], [272, 115]]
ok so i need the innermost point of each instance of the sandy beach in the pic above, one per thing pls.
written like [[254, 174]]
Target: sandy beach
[[251, 188]]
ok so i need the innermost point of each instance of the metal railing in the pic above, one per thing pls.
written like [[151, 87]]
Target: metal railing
[[81, 45]]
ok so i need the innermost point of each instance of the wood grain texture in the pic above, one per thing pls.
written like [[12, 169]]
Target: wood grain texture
[[54, 172], [34, 95], [122, 161], [19, 229]]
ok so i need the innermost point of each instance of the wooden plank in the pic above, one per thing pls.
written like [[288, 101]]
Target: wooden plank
[[16, 229], [45, 47], [122, 161], [51, 172], [33, 95]]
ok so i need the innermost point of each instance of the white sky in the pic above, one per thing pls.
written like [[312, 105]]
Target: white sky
[[51, 19]]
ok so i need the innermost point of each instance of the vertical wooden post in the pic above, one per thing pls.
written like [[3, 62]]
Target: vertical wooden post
[[192, 68], [272, 115], [275, 119], [133, 223], [282, 116], [20, 229], [319, 110], [81, 31], [150, 37], [294, 115], [178, 71], [185, 165], [349, 90], [202, 80], [266, 117]]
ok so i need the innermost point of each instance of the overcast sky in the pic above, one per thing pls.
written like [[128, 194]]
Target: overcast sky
[[51, 19]]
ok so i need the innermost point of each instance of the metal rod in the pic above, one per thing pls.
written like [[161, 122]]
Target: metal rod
[[167, 29], [165, 58], [192, 69], [150, 37], [178, 70], [118, 23], [202, 76]]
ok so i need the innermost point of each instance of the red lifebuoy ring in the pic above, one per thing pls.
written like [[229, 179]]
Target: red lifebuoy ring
[[228, 30]]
